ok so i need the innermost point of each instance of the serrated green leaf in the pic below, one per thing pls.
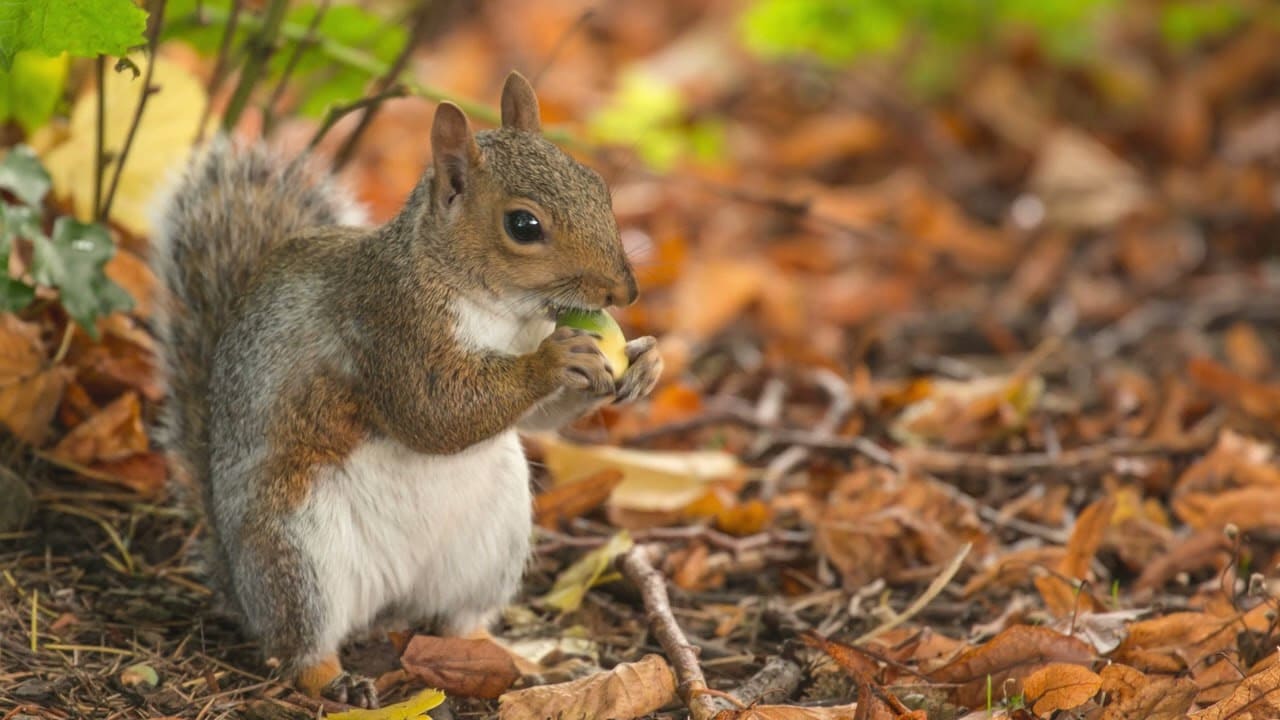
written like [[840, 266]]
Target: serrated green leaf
[[72, 261], [31, 90], [81, 27], [22, 174]]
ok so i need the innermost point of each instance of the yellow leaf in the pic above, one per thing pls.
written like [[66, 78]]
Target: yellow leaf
[[415, 707], [651, 481], [162, 140], [572, 585]]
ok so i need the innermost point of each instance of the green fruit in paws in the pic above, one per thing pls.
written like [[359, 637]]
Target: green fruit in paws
[[608, 335]]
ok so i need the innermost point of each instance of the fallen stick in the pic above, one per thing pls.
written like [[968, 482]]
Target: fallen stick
[[773, 684], [691, 684]]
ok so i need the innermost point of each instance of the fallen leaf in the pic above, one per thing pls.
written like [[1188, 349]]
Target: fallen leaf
[[1014, 653], [460, 666], [1086, 538], [144, 473], [565, 501], [1060, 686], [1083, 184], [714, 292], [1159, 699], [651, 481], [627, 691], [1258, 695], [29, 391], [114, 433], [573, 583], [415, 707]]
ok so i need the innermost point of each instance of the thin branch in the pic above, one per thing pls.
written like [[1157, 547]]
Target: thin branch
[[337, 112], [99, 156], [934, 589], [300, 47], [261, 46], [636, 566], [841, 405], [773, 683], [153, 42], [561, 43], [220, 73], [421, 18]]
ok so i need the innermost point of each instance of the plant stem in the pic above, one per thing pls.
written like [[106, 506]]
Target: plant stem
[[153, 42], [219, 75], [300, 47], [388, 78], [99, 156], [261, 46], [337, 112]]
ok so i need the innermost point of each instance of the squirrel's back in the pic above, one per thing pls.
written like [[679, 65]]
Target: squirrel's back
[[217, 222]]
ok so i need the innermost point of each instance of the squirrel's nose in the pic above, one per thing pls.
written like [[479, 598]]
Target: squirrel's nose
[[623, 293]]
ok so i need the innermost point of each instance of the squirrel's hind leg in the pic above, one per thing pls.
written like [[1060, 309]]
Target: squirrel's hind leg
[[326, 678]]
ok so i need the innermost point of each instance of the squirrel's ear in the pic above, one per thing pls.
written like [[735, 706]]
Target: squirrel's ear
[[453, 151], [520, 104]]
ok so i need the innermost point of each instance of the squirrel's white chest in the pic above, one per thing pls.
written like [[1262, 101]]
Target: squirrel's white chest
[[485, 324], [400, 536]]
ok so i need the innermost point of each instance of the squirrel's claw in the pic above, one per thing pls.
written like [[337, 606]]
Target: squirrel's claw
[[353, 690], [643, 373]]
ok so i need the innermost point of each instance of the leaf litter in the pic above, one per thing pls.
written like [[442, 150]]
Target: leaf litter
[[893, 327]]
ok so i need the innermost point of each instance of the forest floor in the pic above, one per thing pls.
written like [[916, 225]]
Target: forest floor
[[974, 404]]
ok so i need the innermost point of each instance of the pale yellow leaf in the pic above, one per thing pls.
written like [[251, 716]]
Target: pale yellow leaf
[[415, 707], [572, 584], [161, 142], [651, 481]]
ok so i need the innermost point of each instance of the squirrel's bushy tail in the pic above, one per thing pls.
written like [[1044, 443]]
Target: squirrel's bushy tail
[[212, 229]]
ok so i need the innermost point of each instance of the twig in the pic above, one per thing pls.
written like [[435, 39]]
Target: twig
[[99, 156], [337, 112], [1082, 460], [153, 42], [919, 604], [560, 45], [388, 80], [261, 46], [841, 404], [773, 683], [855, 445], [637, 568], [299, 47], [726, 411], [219, 75]]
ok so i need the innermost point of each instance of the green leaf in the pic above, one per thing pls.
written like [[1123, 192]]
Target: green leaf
[[80, 27], [17, 221], [72, 261], [15, 295], [30, 92], [22, 174]]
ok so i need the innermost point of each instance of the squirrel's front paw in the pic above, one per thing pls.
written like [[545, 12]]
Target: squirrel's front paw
[[643, 372], [581, 365], [352, 690]]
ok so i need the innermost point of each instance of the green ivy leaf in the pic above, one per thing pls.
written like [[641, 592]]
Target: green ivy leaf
[[17, 221], [22, 174], [72, 261], [15, 295], [83, 27], [30, 92]]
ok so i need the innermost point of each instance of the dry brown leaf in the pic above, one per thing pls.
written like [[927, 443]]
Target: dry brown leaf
[[857, 664], [1086, 538], [1064, 598], [1257, 696], [1014, 653], [552, 507], [29, 391], [115, 433], [134, 275], [460, 666], [1159, 699], [1122, 681], [829, 137], [714, 293], [1013, 569], [1261, 400], [144, 473], [1248, 508], [627, 691], [1246, 351], [1060, 686]]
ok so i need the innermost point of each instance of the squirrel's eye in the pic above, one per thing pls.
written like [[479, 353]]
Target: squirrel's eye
[[523, 227]]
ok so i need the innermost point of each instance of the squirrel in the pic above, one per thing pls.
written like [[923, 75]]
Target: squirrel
[[347, 398]]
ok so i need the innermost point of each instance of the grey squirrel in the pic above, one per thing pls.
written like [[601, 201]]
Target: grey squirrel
[[348, 398]]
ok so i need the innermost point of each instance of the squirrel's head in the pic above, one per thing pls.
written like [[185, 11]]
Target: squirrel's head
[[523, 219]]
